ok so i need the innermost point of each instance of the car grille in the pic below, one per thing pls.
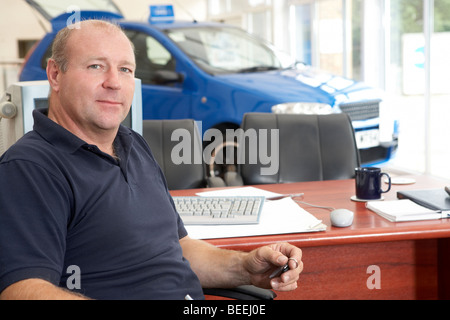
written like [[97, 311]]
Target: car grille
[[362, 110]]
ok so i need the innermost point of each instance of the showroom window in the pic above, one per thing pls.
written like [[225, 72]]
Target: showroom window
[[320, 33], [417, 73], [255, 16], [301, 34], [399, 46], [217, 7]]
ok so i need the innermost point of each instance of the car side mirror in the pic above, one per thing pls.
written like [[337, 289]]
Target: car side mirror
[[166, 76]]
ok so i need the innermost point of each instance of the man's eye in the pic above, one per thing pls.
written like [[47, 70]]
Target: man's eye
[[95, 66], [126, 70]]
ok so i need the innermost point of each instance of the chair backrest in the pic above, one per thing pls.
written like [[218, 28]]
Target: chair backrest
[[177, 147], [311, 148]]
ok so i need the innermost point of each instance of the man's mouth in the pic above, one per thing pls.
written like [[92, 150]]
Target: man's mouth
[[110, 102]]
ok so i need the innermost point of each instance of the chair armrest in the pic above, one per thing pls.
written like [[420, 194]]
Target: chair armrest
[[215, 182], [242, 293], [233, 179]]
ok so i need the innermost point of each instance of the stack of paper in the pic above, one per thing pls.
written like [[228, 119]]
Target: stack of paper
[[402, 210], [277, 217]]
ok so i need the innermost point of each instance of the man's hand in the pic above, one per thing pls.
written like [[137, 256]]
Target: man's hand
[[264, 261], [219, 268]]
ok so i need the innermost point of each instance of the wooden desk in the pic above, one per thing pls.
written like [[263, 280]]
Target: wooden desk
[[413, 257]]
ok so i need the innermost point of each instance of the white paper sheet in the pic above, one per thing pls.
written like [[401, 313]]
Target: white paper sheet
[[240, 191], [277, 217]]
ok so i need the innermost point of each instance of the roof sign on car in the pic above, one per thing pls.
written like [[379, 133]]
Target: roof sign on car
[[161, 13]]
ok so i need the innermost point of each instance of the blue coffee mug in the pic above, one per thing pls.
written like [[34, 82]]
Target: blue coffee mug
[[368, 183]]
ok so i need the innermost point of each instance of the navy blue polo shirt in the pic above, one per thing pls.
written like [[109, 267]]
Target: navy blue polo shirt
[[75, 216]]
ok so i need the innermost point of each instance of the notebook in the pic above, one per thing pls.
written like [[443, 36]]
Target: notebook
[[402, 210], [434, 199]]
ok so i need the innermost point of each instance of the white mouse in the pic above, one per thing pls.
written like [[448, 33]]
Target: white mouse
[[341, 218]]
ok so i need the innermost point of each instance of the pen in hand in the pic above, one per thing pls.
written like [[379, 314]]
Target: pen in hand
[[279, 271]]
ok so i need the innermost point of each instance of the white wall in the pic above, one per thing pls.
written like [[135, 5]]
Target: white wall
[[19, 22]]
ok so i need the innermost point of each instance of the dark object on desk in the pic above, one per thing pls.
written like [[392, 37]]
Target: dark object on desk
[[368, 183], [435, 199], [279, 271], [311, 148], [447, 189]]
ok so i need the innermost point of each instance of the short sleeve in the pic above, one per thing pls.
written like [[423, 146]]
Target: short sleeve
[[34, 212]]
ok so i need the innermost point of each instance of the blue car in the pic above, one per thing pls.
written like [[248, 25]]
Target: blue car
[[215, 73]]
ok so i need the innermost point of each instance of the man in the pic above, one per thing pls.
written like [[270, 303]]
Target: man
[[81, 192]]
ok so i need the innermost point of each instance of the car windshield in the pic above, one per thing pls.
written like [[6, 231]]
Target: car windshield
[[219, 50]]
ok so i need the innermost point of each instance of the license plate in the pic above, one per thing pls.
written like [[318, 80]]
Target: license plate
[[367, 139]]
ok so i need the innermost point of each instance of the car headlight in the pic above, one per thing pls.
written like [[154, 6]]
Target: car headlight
[[302, 108]]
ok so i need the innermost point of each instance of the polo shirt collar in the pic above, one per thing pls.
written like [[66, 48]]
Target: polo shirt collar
[[62, 138], [55, 134]]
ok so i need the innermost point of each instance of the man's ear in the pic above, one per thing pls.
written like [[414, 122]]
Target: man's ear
[[53, 73]]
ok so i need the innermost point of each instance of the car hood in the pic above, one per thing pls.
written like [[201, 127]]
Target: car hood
[[303, 85]]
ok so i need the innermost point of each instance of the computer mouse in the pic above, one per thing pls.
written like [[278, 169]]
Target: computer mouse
[[341, 218]]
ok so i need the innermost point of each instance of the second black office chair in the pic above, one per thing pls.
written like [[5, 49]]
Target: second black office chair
[[311, 148]]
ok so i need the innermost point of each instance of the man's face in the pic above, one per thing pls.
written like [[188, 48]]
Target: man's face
[[97, 89]]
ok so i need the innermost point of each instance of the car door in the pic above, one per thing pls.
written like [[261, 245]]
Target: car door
[[162, 83]]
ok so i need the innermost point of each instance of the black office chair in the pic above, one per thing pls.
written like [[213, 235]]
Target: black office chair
[[159, 135], [311, 148], [177, 147], [242, 293]]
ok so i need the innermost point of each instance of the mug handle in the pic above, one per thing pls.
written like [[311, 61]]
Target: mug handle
[[389, 179]]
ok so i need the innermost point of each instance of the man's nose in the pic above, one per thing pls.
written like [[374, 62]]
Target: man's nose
[[112, 80]]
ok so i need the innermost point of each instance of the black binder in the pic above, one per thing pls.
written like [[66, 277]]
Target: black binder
[[434, 199]]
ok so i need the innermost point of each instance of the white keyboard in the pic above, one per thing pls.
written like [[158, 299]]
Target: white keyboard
[[219, 210]]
